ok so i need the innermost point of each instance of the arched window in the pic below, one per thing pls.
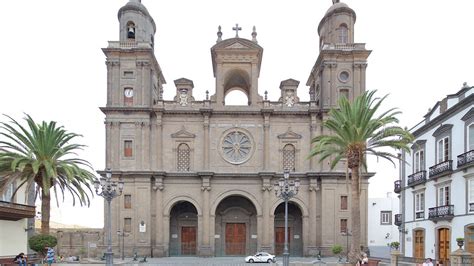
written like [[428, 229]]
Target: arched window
[[184, 157], [131, 30], [236, 97], [343, 34], [289, 157]]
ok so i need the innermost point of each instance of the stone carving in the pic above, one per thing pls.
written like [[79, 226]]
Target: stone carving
[[183, 97], [236, 147], [290, 99]]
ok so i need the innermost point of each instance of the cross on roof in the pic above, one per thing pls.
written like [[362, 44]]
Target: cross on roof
[[237, 28]]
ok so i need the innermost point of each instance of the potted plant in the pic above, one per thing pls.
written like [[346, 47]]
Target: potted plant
[[460, 241], [336, 250], [395, 245]]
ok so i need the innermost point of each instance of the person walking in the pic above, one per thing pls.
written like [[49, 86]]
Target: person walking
[[50, 256]]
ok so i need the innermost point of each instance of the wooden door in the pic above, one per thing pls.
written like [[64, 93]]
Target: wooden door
[[420, 245], [188, 240], [280, 240], [443, 246], [235, 237], [469, 242]]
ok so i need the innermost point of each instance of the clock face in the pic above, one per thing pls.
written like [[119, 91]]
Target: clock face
[[128, 93]]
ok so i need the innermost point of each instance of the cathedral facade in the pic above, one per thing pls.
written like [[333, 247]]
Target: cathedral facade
[[199, 174]]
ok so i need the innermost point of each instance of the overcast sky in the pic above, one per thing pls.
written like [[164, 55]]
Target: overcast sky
[[52, 66]]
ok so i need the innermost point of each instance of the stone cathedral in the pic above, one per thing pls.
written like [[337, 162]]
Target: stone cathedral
[[199, 174]]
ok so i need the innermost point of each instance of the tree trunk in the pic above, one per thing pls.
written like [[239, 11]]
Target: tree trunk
[[45, 212], [355, 216]]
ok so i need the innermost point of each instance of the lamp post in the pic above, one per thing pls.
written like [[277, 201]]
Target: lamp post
[[347, 234], [285, 190], [108, 190], [123, 235]]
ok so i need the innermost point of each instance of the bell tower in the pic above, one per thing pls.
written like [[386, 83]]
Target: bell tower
[[341, 64], [236, 64]]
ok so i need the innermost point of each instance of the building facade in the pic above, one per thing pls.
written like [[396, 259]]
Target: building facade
[[437, 185], [16, 221], [199, 174], [383, 224]]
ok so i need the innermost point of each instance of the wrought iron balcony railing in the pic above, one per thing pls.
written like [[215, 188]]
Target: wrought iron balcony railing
[[417, 178], [398, 219], [441, 213], [445, 167], [420, 215], [466, 159], [397, 186]]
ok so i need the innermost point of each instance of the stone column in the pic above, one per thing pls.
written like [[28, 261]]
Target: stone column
[[356, 83], [333, 88], [311, 244], [206, 143], [116, 149], [159, 141], [205, 246], [138, 146], [266, 242], [266, 141], [160, 234], [313, 132], [362, 77], [108, 144]]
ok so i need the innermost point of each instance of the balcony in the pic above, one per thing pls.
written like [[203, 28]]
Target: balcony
[[398, 219], [441, 213], [420, 215], [397, 186], [466, 159], [441, 169], [417, 178], [14, 211]]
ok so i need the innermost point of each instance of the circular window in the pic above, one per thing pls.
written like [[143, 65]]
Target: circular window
[[344, 76], [236, 147]]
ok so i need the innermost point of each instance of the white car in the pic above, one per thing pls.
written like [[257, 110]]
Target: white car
[[261, 257]]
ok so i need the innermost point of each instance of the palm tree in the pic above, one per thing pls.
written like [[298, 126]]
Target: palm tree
[[41, 154], [357, 131]]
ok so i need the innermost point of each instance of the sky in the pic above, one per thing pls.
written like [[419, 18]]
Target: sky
[[52, 66]]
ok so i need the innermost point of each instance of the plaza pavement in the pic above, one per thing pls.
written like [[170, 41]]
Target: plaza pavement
[[212, 261]]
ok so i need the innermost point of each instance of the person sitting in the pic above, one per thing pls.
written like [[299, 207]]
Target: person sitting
[[20, 259], [428, 262]]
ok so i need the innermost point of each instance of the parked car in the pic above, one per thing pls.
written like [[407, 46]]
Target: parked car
[[261, 257]]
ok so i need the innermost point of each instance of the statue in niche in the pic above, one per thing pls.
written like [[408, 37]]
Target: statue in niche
[[183, 97], [290, 99]]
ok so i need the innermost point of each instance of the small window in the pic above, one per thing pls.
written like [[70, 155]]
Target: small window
[[419, 161], [386, 217], [289, 157], [470, 146], [128, 148], [127, 225], [443, 150], [343, 225], [128, 96], [127, 201], [420, 205], [343, 34], [471, 195], [184, 157], [128, 74], [343, 202], [443, 196], [130, 30], [344, 93]]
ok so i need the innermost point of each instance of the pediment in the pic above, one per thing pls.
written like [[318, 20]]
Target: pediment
[[442, 129], [289, 135], [237, 43], [183, 133], [184, 81], [290, 82]]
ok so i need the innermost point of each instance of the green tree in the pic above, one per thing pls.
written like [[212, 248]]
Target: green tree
[[41, 154], [38, 243], [357, 131]]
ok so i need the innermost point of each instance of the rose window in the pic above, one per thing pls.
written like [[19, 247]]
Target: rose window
[[236, 147]]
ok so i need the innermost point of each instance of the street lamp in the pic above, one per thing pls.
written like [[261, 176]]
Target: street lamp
[[108, 190], [347, 235], [123, 235], [285, 190]]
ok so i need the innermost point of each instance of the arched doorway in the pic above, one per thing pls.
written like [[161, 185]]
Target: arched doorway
[[183, 229], [295, 229], [235, 227]]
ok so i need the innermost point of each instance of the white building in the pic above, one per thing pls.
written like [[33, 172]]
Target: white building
[[438, 180], [381, 223], [15, 227]]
